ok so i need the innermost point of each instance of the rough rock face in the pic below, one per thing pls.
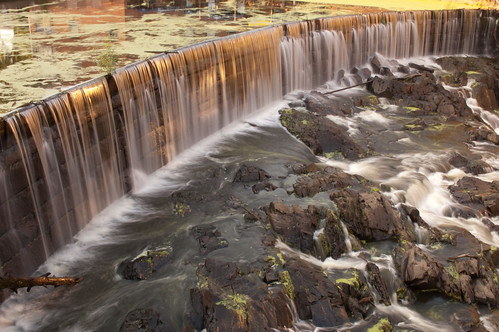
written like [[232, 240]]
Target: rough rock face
[[295, 225], [143, 320], [483, 71], [477, 194], [320, 134], [230, 300], [369, 215], [144, 266], [421, 92], [466, 278], [323, 180], [376, 280]]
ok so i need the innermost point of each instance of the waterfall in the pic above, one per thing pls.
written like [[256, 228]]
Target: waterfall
[[71, 155]]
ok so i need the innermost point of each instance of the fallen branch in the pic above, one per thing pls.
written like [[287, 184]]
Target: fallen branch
[[15, 283], [350, 87]]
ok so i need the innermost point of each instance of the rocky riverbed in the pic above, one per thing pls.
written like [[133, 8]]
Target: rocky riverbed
[[330, 213]]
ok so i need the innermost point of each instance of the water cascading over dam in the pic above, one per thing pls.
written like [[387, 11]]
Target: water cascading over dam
[[66, 158]]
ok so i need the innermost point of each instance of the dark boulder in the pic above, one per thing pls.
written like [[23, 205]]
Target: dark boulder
[[477, 194], [143, 320], [144, 266], [369, 215], [295, 225], [315, 296]]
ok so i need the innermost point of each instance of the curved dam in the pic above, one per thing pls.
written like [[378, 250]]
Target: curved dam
[[65, 159]]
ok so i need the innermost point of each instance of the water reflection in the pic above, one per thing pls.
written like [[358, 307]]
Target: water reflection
[[46, 47]]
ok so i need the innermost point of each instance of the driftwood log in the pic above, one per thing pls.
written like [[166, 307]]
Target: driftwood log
[[45, 280]]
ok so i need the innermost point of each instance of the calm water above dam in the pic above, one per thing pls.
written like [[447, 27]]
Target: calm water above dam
[[48, 46]]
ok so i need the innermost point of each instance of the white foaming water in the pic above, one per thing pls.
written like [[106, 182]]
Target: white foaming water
[[374, 117], [347, 123], [412, 319]]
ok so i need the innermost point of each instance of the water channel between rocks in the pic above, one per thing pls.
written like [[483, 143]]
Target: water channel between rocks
[[203, 189]]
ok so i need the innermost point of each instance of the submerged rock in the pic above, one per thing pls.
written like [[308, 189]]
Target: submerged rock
[[319, 103], [209, 239], [143, 320], [250, 174]]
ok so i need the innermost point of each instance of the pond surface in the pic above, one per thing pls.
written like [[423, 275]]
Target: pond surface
[[46, 47], [49, 46]]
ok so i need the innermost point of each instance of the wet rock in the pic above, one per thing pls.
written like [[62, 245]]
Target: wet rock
[[355, 294], [417, 268], [421, 92], [421, 67], [484, 96], [366, 101], [250, 174], [492, 227], [231, 300], [465, 278], [209, 239], [470, 166], [477, 194], [369, 215], [266, 185], [143, 320], [323, 180], [332, 238], [483, 134], [456, 79], [298, 168], [404, 69], [381, 87], [144, 266], [364, 73], [377, 281], [416, 125], [295, 225], [376, 63], [468, 319], [315, 296], [320, 134], [318, 103]]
